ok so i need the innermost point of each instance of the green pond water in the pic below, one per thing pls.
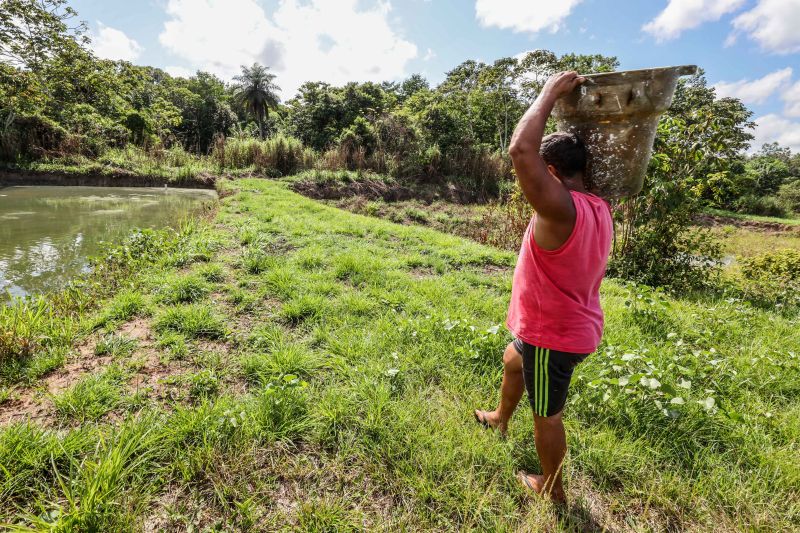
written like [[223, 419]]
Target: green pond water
[[47, 234]]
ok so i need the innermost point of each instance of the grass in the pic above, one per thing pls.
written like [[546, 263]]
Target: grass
[[115, 345], [184, 289], [338, 390], [191, 320], [91, 397], [789, 221], [743, 242]]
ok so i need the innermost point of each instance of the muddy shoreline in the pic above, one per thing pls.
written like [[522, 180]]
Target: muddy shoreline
[[13, 177]]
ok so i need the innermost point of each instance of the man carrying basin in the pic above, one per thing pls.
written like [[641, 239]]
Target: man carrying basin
[[555, 312]]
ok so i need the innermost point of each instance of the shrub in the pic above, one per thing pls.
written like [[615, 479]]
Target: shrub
[[280, 155], [31, 136], [480, 169], [769, 206], [503, 223], [783, 263], [772, 278], [656, 242], [789, 196]]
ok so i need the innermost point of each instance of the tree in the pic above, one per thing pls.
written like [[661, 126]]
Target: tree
[[698, 141], [204, 105], [499, 83], [411, 86], [256, 93], [768, 173], [32, 31], [535, 67], [697, 106]]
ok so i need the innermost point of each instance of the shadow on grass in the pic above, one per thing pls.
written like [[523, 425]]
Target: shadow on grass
[[576, 516]]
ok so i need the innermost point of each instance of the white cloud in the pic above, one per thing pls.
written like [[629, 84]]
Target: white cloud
[[178, 71], [111, 43], [756, 91], [680, 15], [773, 24], [524, 15], [328, 40], [791, 96], [215, 35], [774, 128]]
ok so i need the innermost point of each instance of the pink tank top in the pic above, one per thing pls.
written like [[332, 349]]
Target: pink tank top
[[555, 297]]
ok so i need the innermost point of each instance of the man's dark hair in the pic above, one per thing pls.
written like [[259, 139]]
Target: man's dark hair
[[566, 152]]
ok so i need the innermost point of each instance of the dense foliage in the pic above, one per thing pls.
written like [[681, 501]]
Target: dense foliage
[[698, 141], [58, 102]]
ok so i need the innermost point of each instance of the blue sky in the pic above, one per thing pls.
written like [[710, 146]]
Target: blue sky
[[749, 48]]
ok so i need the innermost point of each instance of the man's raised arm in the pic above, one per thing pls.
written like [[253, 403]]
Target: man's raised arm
[[544, 191]]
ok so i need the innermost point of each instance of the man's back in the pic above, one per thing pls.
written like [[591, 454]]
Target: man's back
[[555, 299]]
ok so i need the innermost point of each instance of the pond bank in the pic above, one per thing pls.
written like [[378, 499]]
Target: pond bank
[[14, 176]]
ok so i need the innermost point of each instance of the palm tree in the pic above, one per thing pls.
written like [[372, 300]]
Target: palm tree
[[255, 91]]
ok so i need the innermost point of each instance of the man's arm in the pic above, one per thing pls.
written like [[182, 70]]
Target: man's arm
[[548, 196]]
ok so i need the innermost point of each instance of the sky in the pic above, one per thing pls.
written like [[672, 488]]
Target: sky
[[749, 49]]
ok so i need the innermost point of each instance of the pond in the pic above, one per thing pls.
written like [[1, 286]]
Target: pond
[[47, 234]]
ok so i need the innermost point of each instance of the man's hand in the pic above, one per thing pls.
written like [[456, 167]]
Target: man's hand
[[546, 193], [559, 85]]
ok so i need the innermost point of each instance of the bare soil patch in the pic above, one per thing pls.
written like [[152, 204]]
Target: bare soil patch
[[152, 373], [117, 178], [32, 403]]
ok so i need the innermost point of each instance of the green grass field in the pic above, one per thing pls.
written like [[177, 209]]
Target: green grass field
[[292, 366], [791, 221]]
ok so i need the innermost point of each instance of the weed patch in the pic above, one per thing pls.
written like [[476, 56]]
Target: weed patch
[[193, 320]]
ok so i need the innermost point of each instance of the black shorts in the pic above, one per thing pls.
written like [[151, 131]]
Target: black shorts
[[547, 375]]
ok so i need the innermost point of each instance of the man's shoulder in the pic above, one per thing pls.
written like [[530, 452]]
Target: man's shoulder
[[590, 198], [599, 206]]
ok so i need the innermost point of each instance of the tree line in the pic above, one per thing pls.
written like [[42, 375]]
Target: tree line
[[57, 97]]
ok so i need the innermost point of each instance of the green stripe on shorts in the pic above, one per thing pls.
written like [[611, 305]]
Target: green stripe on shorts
[[546, 381]]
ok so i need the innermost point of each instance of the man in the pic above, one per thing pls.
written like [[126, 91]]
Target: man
[[555, 312]]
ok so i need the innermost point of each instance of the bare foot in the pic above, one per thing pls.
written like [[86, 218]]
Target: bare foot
[[491, 419], [536, 483]]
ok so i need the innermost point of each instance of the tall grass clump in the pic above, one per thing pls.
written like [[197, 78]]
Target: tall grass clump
[[124, 306], [91, 397], [193, 320], [99, 491], [27, 325], [280, 155], [184, 289]]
